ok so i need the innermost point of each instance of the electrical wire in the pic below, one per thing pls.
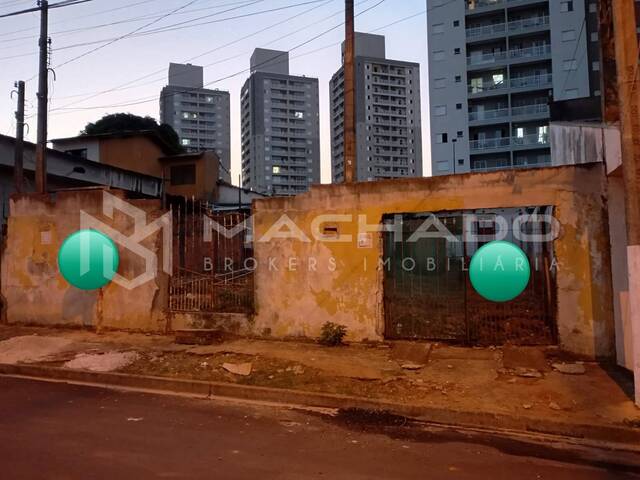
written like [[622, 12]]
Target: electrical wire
[[262, 30], [76, 30], [226, 77]]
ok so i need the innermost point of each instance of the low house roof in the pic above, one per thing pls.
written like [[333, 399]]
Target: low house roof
[[150, 134], [61, 164]]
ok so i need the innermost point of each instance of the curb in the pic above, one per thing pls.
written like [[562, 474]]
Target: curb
[[616, 437]]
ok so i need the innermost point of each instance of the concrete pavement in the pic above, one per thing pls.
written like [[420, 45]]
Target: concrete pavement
[[58, 431]]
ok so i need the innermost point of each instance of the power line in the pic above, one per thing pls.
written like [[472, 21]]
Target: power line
[[2, 34], [89, 52], [153, 32], [64, 3], [188, 90], [169, 28], [72, 31], [220, 47]]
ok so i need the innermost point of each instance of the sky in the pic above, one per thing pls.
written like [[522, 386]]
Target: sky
[[118, 54]]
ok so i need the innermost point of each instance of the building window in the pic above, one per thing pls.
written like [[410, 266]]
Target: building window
[[439, 110], [456, 23], [461, 161], [458, 106], [566, 6], [458, 78], [456, 51], [439, 83], [276, 170], [570, 65], [77, 152], [299, 115], [438, 55], [460, 134], [185, 142], [568, 35], [183, 175], [441, 138], [596, 66], [438, 28]]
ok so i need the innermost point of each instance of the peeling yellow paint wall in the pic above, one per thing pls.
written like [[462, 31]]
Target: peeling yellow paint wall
[[300, 285], [36, 293]]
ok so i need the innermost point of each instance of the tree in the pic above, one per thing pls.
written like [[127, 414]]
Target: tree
[[127, 122]]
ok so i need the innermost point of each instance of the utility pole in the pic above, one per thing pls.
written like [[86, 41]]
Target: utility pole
[[608, 75], [43, 93], [350, 166], [626, 54], [18, 167]]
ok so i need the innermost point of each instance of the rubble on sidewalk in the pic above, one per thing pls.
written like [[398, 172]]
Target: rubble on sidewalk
[[570, 368], [243, 369], [492, 381], [33, 349], [103, 362]]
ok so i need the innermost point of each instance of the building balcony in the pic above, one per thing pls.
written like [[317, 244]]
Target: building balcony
[[532, 82], [526, 24], [536, 110], [531, 141], [483, 166], [486, 59], [507, 143], [499, 113], [538, 51], [474, 5], [486, 31], [490, 144], [530, 110], [486, 88]]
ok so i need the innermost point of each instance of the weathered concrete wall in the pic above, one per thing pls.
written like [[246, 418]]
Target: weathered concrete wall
[[619, 270], [303, 291], [36, 293]]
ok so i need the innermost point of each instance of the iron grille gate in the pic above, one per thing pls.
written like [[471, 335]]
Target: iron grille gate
[[428, 294], [213, 272]]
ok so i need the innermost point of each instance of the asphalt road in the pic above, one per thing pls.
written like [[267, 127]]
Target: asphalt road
[[56, 431]]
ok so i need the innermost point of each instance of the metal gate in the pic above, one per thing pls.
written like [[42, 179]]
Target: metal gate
[[213, 267], [428, 294]]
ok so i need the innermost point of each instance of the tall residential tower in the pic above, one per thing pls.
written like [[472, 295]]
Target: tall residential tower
[[200, 116], [388, 122], [495, 67], [280, 127]]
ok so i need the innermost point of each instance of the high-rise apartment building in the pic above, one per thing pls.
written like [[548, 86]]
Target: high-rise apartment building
[[200, 116], [280, 127], [388, 118], [495, 67]]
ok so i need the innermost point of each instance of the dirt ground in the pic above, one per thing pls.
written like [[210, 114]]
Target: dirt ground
[[512, 380]]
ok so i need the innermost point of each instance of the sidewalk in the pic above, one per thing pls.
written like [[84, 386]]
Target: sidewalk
[[501, 383]]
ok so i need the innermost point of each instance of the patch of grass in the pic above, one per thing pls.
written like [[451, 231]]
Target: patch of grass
[[332, 334]]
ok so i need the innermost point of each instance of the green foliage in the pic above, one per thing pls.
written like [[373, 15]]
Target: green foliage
[[127, 122], [119, 122], [332, 334]]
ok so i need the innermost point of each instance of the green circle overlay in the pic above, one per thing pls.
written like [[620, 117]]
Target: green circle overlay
[[82, 259], [499, 271]]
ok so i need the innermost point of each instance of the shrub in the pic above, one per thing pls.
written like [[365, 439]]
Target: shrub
[[332, 334]]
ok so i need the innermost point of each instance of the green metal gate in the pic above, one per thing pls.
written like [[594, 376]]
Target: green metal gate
[[428, 294]]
